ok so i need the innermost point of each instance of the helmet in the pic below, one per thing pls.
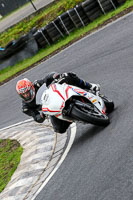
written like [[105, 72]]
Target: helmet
[[51, 77], [25, 89]]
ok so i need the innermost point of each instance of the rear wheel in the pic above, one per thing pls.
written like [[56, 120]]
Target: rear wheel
[[108, 103], [87, 112]]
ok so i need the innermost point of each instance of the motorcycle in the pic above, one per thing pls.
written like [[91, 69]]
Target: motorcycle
[[70, 103]]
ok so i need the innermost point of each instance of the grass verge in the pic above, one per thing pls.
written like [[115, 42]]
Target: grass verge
[[43, 54], [38, 19], [10, 153]]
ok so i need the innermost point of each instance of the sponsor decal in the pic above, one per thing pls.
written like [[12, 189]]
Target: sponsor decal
[[93, 101], [80, 91]]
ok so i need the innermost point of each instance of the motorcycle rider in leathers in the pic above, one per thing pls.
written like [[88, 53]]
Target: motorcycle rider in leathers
[[27, 91]]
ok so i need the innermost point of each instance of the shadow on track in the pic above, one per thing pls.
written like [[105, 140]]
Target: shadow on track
[[87, 132]]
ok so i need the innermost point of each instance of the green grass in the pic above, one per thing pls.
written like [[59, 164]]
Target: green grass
[[38, 20], [10, 71], [10, 153]]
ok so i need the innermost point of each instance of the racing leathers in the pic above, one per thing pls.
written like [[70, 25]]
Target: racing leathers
[[34, 110]]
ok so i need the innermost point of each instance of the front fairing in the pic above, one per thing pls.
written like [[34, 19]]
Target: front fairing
[[53, 99]]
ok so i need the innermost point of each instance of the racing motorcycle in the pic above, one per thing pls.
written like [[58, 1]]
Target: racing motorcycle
[[71, 103]]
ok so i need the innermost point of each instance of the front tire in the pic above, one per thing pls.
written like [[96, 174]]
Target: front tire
[[89, 115]]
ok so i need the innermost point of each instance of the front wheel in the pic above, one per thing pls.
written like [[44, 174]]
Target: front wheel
[[88, 113]]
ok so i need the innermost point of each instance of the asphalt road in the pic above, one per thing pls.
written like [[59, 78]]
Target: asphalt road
[[99, 165]]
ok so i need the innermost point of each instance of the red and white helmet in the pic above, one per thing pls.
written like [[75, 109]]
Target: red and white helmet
[[25, 89]]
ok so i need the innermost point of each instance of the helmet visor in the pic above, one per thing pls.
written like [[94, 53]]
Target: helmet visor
[[28, 96]]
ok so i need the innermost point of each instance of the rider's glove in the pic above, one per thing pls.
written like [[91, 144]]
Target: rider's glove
[[37, 83], [95, 87], [39, 118], [69, 74]]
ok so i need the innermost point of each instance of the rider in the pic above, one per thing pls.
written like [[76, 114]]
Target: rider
[[27, 91]]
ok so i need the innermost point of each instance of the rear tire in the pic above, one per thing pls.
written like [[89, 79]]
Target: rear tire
[[108, 103], [92, 115]]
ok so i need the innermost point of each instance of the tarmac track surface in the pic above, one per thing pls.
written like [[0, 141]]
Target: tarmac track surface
[[100, 163]]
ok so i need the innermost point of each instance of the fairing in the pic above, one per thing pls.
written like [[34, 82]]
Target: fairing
[[53, 99]]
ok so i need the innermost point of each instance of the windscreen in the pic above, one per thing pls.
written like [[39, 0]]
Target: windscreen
[[39, 93]]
